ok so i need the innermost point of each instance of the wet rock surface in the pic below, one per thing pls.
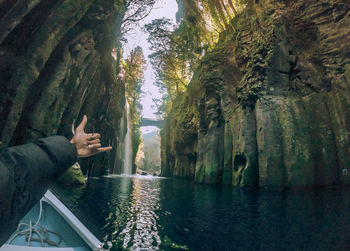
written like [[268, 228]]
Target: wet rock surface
[[55, 66], [269, 106]]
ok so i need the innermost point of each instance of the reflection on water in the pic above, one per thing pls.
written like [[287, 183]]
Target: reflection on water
[[140, 228], [145, 213]]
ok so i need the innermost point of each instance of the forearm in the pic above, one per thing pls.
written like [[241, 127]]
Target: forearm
[[25, 174]]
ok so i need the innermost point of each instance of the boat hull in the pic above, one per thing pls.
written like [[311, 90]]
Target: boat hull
[[56, 218]]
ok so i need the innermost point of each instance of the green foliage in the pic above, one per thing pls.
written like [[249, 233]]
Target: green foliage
[[149, 157], [118, 5], [136, 141], [131, 73], [176, 53], [211, 17], [177, 49], [132, 70], [168, 244]]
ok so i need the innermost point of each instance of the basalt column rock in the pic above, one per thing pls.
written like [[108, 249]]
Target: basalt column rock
[[210, 146], [244, 160], [179, 143], [271, 101], [56, 64]]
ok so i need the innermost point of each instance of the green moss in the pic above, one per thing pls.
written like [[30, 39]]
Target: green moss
[[72, 177], [347, 72], [171, 245], [119, 5]]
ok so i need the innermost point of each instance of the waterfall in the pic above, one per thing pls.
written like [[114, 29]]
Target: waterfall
[[127, 144]]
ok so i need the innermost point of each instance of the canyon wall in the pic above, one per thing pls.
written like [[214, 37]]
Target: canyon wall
[[56, 65], [270, 104]]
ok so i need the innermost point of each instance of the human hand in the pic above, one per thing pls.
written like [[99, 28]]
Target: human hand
[[87, 144]]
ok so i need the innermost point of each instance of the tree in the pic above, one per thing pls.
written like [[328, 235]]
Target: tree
[[176, 51], [178, 48], [158, 105], [131, 74], [136, 10]]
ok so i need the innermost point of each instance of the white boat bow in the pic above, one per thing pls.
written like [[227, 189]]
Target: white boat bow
[[54, 215]]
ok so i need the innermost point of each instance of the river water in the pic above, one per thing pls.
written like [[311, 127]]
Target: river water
[[150, 213]]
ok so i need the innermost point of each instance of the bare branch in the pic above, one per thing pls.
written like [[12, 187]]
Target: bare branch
[[138, 19]]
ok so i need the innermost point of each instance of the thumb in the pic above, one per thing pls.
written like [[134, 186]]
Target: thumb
[[82, 125]]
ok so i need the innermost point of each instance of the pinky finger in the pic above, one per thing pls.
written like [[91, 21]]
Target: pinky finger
[[104, 149]]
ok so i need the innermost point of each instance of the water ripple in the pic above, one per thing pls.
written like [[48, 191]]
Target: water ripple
[[138, 213]]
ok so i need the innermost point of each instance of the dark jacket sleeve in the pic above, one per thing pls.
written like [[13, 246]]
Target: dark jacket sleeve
[[26, 172]]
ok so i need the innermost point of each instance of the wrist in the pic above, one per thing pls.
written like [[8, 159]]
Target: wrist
[[75, 146]]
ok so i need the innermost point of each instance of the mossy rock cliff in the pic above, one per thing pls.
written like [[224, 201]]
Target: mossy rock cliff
[[270, 105], [55, 66]]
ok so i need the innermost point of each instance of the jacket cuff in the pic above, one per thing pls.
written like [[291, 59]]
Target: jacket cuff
[[61, 151]]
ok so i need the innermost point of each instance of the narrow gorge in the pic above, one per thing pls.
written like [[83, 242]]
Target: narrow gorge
[[268, 105], [228, 121]]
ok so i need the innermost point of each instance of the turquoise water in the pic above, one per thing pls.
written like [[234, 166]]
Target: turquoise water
[[145, 213]]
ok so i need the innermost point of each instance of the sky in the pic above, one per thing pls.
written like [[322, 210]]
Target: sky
[[163, 8]]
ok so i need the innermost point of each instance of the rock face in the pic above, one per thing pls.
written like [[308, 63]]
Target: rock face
[[270, 105], [55, 66]]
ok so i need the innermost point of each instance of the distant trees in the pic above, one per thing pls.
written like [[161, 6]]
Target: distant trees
[[131, 73], [149, 155], [214, 14], [158, 106], [208, 18], [178, 48]]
